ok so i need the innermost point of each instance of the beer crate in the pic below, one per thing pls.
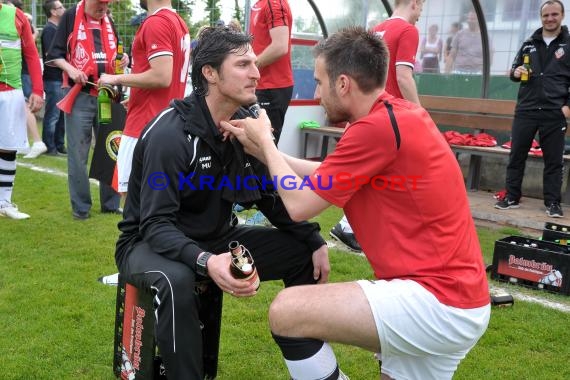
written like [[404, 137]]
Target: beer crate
[[557, 233], [533, 263]]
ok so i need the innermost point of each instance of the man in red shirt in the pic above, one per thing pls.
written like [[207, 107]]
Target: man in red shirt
[[270, 25], [402, 190], [16, 40], [161, 56], [402, 38]]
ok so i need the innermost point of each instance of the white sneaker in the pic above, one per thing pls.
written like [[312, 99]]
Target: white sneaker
[[112, 279], [11, 211], [36, 150]]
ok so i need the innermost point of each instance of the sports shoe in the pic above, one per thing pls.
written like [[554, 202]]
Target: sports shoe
[[111, 279], [257, 219], [345, 238], [506, 204], [36, 150], [11, 211], [554, 210], [78, 215]]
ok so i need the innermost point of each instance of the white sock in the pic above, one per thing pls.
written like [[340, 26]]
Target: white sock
[[319, 366], [7, 175]]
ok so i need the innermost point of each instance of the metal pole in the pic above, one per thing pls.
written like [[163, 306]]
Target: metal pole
[[247, 10], [486, 51]]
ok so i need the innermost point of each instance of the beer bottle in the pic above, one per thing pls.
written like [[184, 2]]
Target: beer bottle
[[118, 58], [104, 106], [242, 266], [526, 65]]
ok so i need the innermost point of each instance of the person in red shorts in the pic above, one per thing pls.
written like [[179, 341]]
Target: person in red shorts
[[429, 302], [161, 56]]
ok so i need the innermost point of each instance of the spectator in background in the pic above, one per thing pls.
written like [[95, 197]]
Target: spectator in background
[[161, 55], [38, 147], [85, 46], [235, 25], [466, 55], [431, 49], [53, 134], [402, 39], [455, 27], [271, 23], [18, 42], [270, 26], [542, 105]]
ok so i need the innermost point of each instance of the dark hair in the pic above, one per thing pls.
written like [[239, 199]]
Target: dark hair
[[48, 6], [213, 46], [17, 3], [358, 53], [552, 2]]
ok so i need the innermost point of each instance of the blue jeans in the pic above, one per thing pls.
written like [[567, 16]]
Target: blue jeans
[[27, 85], [79, 125], [53, 134]]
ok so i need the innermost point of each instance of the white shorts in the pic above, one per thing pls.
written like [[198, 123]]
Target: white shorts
[[13, 132], [421, 338], [125, 162]]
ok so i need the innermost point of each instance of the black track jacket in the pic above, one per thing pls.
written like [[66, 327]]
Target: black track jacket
[[170, 204]]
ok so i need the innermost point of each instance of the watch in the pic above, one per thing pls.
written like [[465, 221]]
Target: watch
[[202, 263]]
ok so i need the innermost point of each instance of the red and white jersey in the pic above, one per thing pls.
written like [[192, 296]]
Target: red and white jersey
[[402, 39], [266, 15], [162, 33], [412, 217]]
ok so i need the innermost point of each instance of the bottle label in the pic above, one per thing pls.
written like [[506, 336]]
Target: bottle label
[[105, 112]]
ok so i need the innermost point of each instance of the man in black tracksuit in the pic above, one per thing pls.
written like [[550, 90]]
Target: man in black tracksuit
[[542, 106], [185, 178]]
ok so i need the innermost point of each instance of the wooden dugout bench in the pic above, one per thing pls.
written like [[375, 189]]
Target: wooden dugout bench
[[477, 115]]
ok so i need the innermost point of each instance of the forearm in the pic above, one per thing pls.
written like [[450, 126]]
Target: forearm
[[301, 202], [408, 88], [149, 79], [301, 167]]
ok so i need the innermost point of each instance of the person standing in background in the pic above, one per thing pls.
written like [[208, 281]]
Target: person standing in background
[[38, 147], [466, 55], [85, 46], [431, 49], [270, 26], [271, 23], [53, 133], [161, 57], [402, 38], [455, 27], [543, 106], [16, 41]]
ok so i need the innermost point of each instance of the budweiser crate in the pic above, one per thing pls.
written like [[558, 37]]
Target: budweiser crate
[[534, 263], [557, 233]]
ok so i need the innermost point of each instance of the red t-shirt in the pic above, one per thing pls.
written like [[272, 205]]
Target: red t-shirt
[[402, 39], [414, 222], [266, 15], [162, 33]]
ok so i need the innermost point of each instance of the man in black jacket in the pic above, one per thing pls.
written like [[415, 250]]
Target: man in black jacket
[[542, 106], [185, 178]]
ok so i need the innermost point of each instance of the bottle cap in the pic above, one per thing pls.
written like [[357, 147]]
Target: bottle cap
[[247, 268]]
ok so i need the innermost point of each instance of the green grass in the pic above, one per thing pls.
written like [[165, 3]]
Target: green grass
[[57, 321]]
